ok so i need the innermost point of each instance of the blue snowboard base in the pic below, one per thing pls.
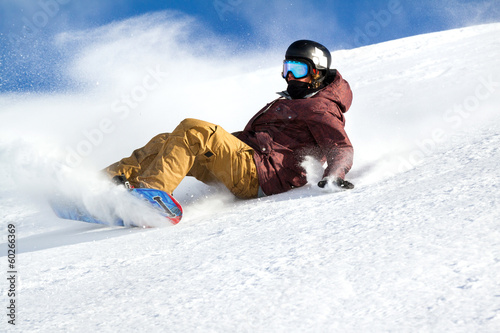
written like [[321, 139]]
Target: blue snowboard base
[[163, 202]]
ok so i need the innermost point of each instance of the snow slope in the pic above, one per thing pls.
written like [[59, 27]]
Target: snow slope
[[415, 247]]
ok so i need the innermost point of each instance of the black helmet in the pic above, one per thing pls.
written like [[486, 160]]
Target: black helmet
[[315, 53]]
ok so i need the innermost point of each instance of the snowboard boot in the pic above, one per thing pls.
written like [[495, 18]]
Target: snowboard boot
[[122, 180]]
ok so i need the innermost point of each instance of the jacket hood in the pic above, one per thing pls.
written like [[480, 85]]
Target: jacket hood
[[338, 91]]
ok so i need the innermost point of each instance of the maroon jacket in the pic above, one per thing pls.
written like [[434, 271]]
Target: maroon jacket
[[287, 130]]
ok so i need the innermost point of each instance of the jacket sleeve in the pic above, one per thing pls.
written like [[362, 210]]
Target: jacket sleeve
[[333, 143]]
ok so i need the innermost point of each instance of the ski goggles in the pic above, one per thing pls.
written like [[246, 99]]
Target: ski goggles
[[299, 69]]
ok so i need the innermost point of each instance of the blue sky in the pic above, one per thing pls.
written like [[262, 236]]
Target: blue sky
[[30, 62]]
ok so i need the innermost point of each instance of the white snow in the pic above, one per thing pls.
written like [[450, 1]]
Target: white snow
[[415, 247]]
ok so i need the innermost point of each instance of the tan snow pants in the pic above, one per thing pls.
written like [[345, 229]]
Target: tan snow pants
[[195, 148]]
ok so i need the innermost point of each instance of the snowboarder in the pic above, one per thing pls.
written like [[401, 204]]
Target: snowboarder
[[263, 159]]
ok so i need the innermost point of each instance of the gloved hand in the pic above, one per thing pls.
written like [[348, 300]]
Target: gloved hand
[[343, 184]]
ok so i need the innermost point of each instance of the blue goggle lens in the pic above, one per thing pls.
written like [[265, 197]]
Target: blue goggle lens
[[299, 69]]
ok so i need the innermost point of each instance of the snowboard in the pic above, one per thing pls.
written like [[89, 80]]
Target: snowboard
[[163, 202]]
